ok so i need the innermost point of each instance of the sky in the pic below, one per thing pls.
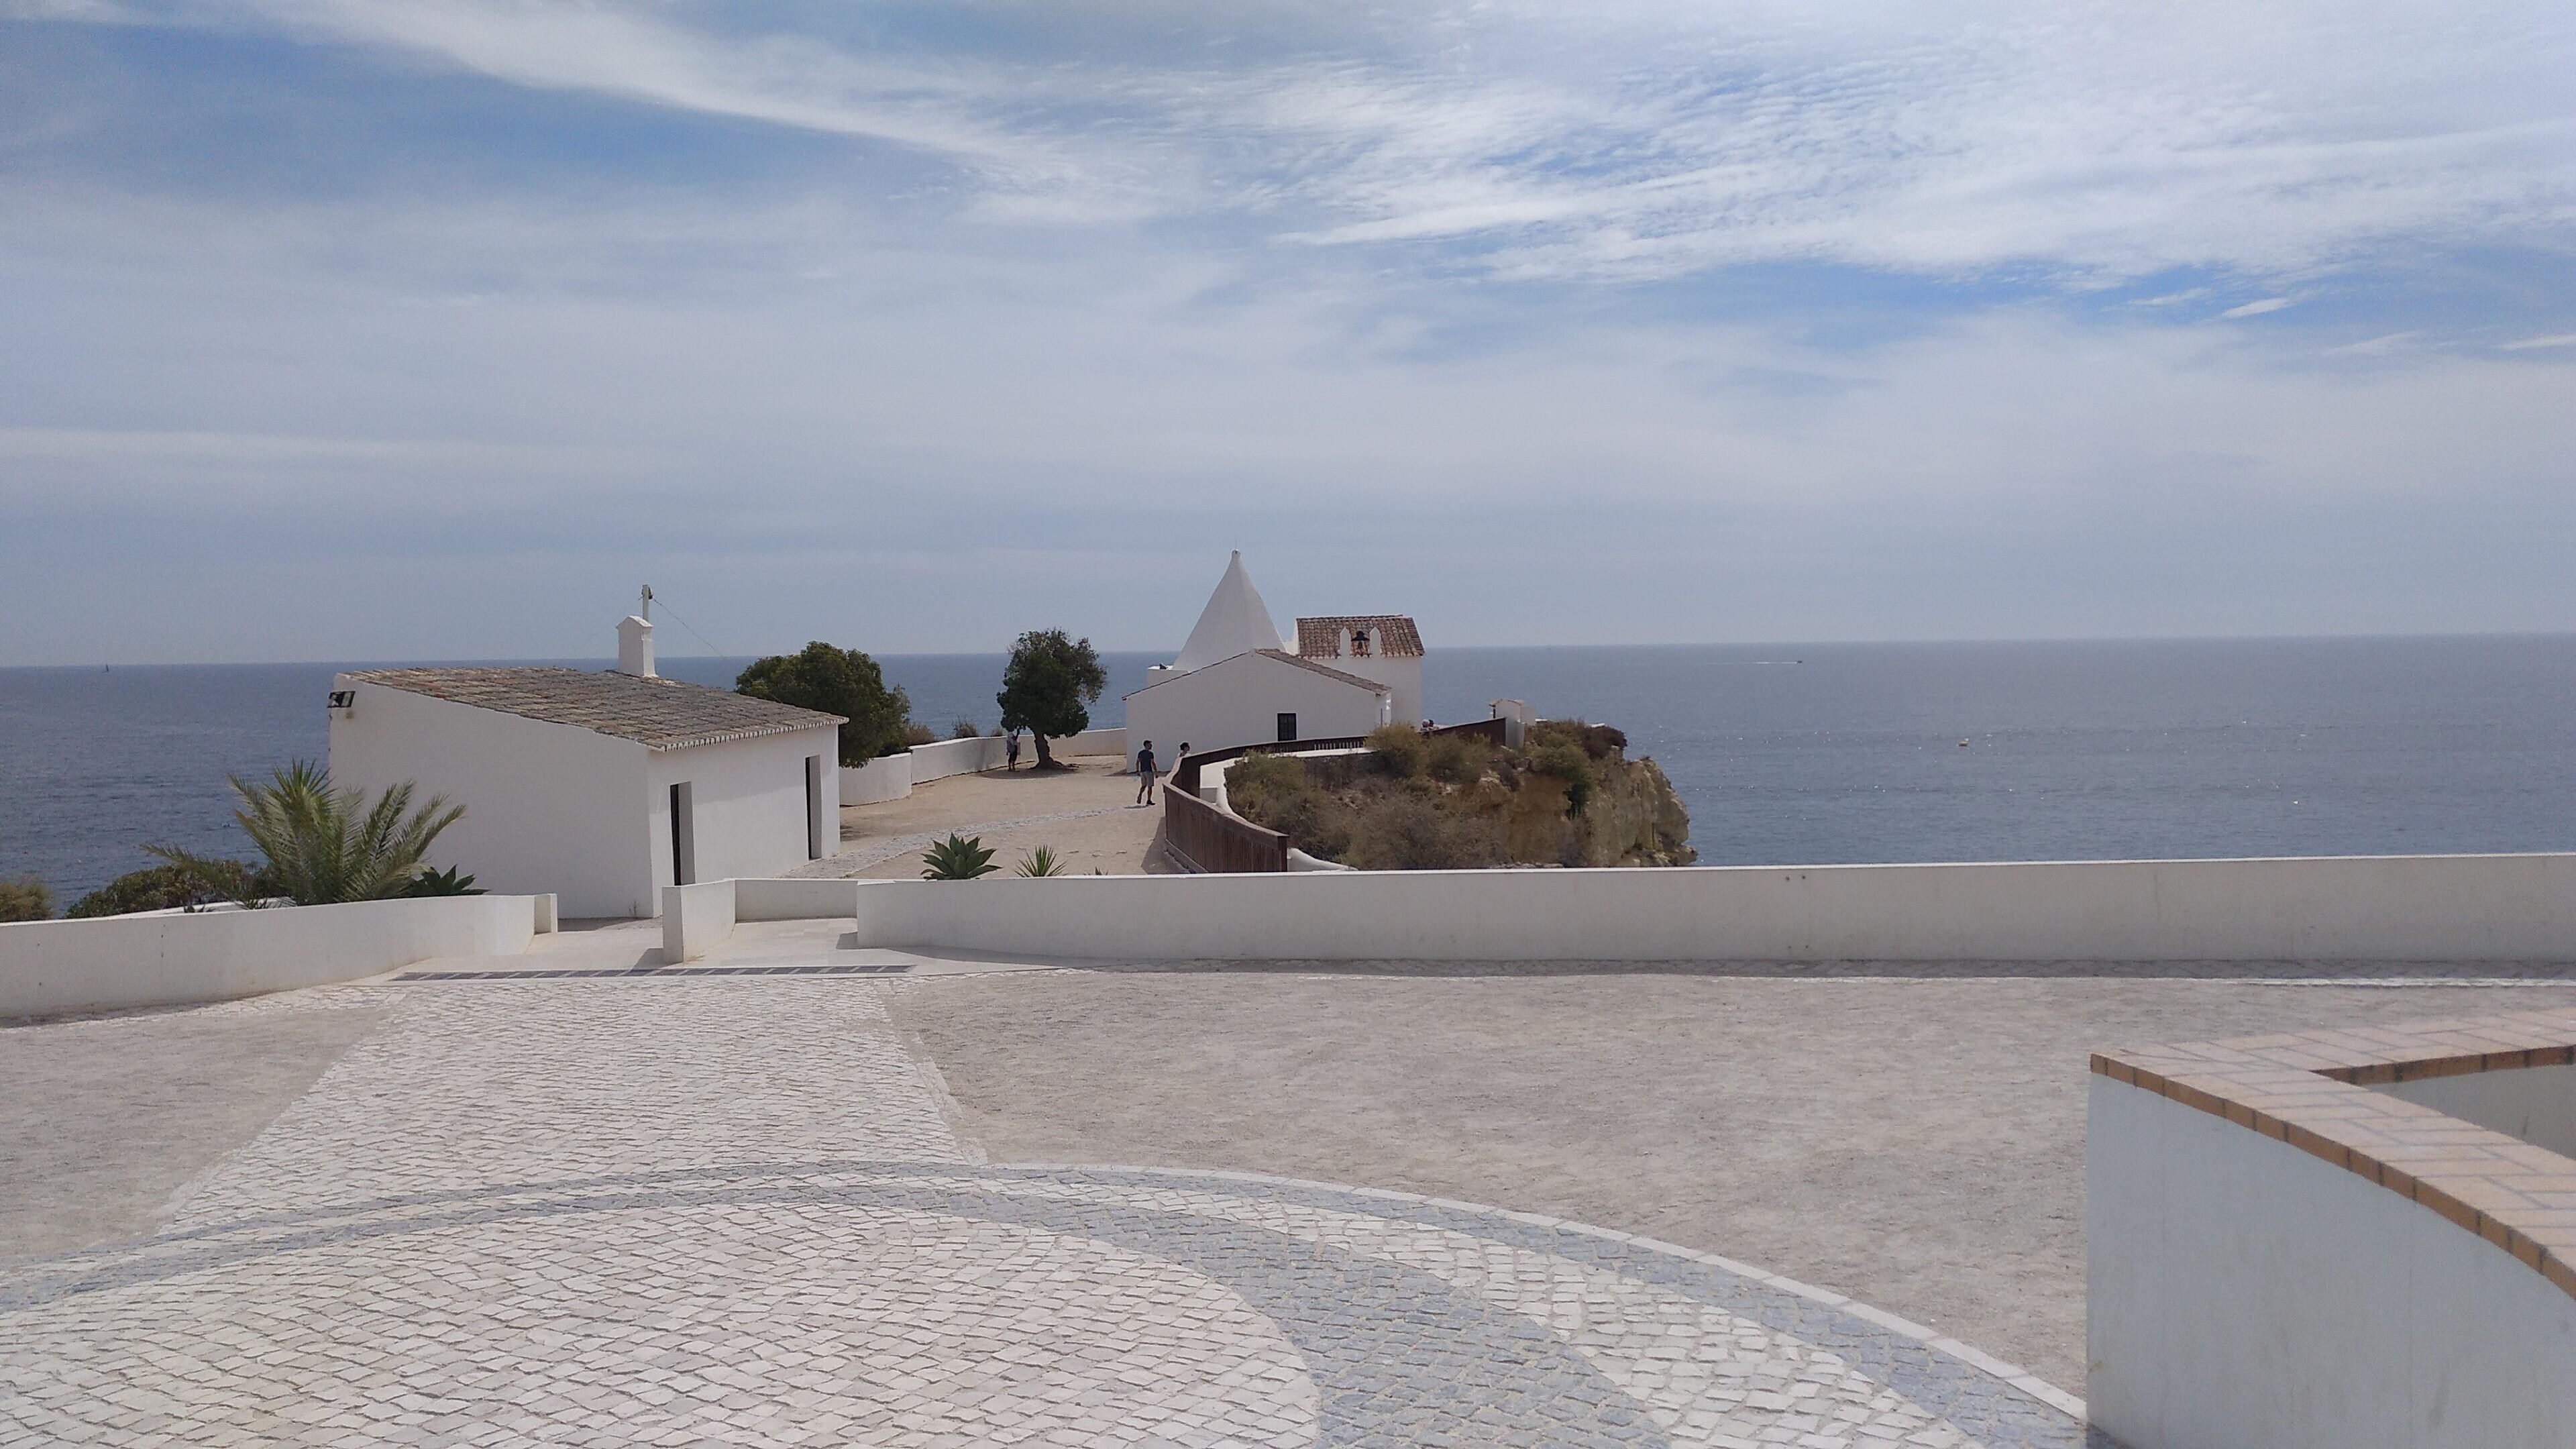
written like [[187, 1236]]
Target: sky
[[369, 329]]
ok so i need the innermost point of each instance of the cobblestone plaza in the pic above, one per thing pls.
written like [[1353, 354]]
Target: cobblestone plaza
[[736, 1210]]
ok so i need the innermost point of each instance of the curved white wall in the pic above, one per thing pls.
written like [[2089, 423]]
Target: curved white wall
[[2245, 1293]]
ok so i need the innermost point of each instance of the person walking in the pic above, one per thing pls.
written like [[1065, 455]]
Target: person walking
[[1145, 774], [1012, 750]]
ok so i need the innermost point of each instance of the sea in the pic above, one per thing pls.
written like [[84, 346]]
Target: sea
[[1784, 754]]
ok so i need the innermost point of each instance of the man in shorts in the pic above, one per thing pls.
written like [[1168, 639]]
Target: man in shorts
[[1145, 774]]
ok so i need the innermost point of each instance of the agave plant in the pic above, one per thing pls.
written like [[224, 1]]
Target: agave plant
[[448, 882], [959, 857], [323, 845], [1042, 861]]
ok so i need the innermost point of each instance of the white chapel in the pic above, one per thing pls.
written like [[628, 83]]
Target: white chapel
[[1239, 681]]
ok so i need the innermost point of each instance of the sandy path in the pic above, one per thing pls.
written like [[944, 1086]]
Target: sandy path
[[1917, 1144], [1087, 814]]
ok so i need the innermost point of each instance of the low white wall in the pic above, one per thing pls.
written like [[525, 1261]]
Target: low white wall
[[2534, 1104], [696, 918], [117, 962], [942, 758], [887, 777], [2243, 1292], [2405, 908]]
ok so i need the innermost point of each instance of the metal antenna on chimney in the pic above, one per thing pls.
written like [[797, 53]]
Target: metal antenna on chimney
[[647, 615]]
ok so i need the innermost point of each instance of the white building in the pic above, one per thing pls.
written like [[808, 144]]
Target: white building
[[1237, 682], [599, 787]]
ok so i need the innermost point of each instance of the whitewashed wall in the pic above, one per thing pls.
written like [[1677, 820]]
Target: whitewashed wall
[[167, 959], [2403, 908], [1238, 702], [1400, 673], [887, 777], [2243, 1293], [747, 804], [548, 807]]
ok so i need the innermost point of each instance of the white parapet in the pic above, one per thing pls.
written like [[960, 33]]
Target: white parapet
[[2362, 908], [175, 958]]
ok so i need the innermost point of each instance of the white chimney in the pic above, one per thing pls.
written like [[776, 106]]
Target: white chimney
[[635, 646]]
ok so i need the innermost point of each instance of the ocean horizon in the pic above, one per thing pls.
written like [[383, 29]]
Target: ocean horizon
[[1785, 754]]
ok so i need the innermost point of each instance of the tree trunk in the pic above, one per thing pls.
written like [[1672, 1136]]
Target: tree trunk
[[1046, 761]]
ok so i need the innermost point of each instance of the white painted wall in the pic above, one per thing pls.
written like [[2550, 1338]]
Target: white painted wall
[[887, 777], [2357, 908], [2245, 1293], [1401, 673], [2535, 1104], [548, 807], [171, 959], [747, 803], [1238, 702]]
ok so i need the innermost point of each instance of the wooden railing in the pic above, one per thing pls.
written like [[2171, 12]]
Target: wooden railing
[[1220, 842]]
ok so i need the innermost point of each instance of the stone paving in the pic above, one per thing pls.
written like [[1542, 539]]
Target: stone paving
[[736, 1211]]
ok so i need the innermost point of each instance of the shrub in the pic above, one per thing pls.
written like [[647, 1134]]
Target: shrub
[[25, 899], [1410, 832], [959, 857], [324, 845], [1598, 742], [836, 681], [168, 887], [1043, 861], [1566, 761], [911, 735], [1399, 749], [446, 882], [1456, 759], [1282, 794], [964, 729]]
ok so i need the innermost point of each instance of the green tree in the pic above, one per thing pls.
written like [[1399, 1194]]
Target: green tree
[[325, 846], [835, 681], [1047, 684]]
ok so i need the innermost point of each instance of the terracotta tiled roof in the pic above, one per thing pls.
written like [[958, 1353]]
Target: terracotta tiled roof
[[1390, 635], [1328, 671], [660, 714]]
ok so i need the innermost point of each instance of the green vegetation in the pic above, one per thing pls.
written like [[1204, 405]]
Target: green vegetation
[[959, 857], [1455, 801], [1042, 861], [172, 887], [845, 682], [964, 729], [25, 898], [323, 846], [1046, 686], [443, 883]]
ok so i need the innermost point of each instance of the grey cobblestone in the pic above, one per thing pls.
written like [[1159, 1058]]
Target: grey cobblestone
[[729, 1212]]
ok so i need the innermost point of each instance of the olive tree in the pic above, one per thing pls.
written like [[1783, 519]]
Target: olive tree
[[1046, 686]]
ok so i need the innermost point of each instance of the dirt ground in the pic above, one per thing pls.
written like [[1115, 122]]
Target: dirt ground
[[1088, 814], [1916, 1144]]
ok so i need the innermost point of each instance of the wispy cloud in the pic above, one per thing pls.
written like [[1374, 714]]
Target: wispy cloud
[[2562, 339], [2257, 308]]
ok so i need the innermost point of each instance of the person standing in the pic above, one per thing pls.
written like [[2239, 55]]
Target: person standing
[[1012, 749], [1145, 774]]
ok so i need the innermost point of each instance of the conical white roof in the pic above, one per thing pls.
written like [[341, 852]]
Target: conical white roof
[[1235, 621]]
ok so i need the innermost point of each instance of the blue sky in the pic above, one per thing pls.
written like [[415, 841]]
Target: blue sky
[[364, 329]]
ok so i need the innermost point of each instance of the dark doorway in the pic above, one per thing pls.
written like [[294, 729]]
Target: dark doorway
[[1287, 727], [684, 837]]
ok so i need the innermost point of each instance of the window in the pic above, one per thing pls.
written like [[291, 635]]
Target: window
[[684, 837], [1287, 727]]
